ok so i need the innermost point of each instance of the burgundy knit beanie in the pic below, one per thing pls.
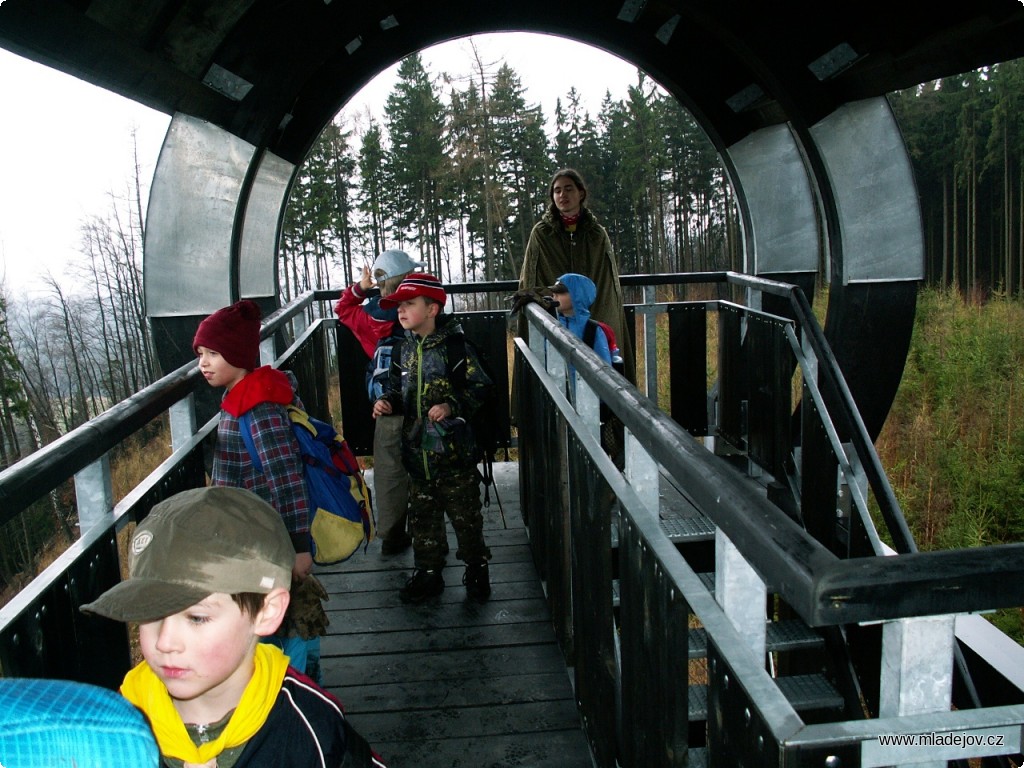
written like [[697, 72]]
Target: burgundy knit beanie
[[234, 332]]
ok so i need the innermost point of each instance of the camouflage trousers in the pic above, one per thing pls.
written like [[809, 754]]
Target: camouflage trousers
[[458, 495]]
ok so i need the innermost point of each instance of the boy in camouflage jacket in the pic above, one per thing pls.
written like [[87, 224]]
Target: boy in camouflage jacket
[[438, 446]]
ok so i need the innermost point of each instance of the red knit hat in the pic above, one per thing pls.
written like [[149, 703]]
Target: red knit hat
[[234, 332], [416, 284]]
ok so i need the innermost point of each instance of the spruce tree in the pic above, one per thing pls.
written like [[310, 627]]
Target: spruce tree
[[418, 168]]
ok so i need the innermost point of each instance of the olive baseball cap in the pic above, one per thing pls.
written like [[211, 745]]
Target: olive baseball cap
[[195, 543]]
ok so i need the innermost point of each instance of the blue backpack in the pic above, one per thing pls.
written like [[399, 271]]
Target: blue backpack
[[341, 515]]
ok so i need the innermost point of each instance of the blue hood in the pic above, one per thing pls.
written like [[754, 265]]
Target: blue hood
[[582, 291]]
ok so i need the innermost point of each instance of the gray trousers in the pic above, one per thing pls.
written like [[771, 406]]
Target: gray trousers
[[390, 480]]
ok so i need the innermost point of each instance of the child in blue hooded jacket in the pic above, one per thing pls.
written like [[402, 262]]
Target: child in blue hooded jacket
[[573, 294]]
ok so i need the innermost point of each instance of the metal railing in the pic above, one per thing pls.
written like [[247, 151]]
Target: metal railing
[[623, 596], [42, 632], [623, 613]]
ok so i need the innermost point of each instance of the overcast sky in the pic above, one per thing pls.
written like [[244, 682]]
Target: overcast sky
[[65, 145]]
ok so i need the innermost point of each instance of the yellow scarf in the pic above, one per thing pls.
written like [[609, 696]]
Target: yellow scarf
[[146, 691]]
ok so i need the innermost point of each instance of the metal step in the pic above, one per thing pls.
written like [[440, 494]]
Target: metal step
[[678, 528], [698, 757], [805, 692], [686, 528], [680, 520], [783, 636]]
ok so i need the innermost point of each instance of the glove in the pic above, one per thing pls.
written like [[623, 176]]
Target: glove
[[306, 615], [525, 296]]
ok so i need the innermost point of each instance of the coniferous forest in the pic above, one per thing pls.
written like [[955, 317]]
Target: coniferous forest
[[456, 171], [459, 176]]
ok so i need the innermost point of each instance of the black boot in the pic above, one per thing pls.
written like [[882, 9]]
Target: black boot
[[396, 543], [422, 585], [477, 581]]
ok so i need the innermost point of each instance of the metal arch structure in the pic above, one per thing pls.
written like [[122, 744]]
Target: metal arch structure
[[791, 94]]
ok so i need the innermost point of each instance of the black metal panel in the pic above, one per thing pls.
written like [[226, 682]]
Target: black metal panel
[[802, 756], [544, 495], [770, 405], [356, 410], [489, 332], [869, 327], [557, 536], [864, 645], [593, 617], [53, 639], [655, 658], [688, 350], [630, 314], [540, 461], [737, 735], [818, 474], [309, 365], [101, 645], [732, 378]]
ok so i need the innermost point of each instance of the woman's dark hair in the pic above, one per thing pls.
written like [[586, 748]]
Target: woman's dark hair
[[569, 173]]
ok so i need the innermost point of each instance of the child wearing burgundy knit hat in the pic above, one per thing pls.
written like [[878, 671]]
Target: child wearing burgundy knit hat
[[227, 345], [437, 440]]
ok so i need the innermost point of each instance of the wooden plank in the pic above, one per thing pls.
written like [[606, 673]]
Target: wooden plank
[[459, 723], [451, 682], [436, 639], [436, 615], [558, 749], [453, 664], [490, 691], [353, 589]]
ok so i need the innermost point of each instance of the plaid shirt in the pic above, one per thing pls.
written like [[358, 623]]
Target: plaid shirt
[[281, 483]]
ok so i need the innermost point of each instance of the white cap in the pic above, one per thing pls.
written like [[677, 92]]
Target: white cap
[[393, 263]]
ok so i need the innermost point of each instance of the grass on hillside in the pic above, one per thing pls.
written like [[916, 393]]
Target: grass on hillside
[[953, 444]]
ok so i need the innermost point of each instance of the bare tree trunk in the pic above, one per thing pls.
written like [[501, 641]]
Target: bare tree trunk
[[944, 278]]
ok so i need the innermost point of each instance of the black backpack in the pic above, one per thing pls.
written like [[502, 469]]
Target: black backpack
[[482, 422]]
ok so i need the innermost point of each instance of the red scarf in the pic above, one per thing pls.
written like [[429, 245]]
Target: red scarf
[[263, 385], [569, 222]]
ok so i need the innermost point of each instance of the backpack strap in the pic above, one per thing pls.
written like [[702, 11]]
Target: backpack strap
[[590, 333], [245, 429], [457, 364], [456, 350]]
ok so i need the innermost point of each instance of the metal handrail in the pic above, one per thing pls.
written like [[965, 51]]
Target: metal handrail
[[823, 588]]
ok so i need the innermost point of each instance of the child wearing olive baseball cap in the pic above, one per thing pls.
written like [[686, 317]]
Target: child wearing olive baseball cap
[[208, 576]]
